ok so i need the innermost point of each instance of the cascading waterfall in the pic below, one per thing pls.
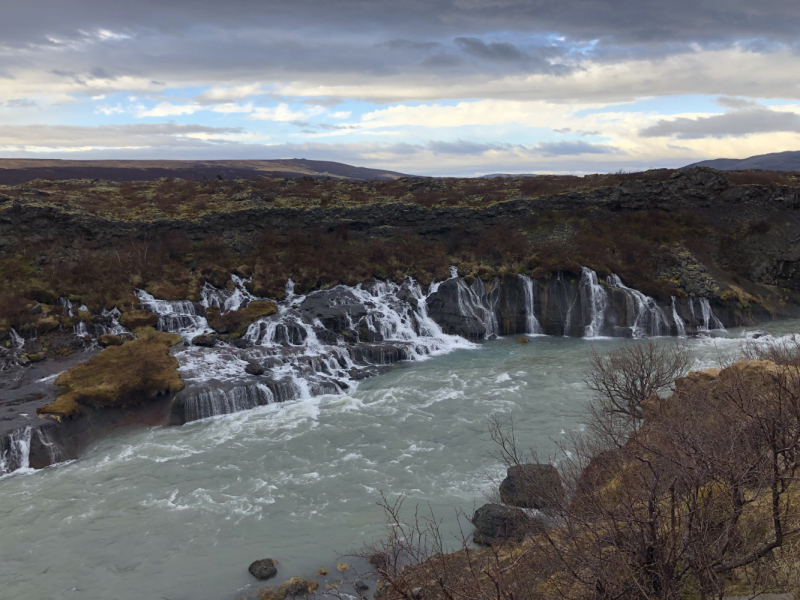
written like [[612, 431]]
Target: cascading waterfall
[[17, 454], [298, 357], [178, 316], [681, 328], [595, 299], [210, 402], [531, 322], [17, 340], [227, 300], [561, 286], [648, 317], [707, 317], [710, 320]]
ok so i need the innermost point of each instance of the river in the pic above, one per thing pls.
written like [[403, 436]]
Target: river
[[179, 512]]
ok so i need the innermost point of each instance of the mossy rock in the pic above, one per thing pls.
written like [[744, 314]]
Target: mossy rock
[[36, 357], [296, 586], [523, 340], [132, 374], [47, 324], [167, 290], [235, 322], [134, 319], [109, 340]]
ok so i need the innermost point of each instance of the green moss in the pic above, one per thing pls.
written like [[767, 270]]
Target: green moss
[[134, 319], [235, 322], [119, 376]]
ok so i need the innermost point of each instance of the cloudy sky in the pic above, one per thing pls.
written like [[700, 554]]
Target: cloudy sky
[[439, 87]]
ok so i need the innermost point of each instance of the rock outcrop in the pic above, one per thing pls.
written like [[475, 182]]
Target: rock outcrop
[[532, 486], [496, 523]]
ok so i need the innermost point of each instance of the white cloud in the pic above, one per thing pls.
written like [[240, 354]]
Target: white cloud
[[230, 93], [167, 109], [110, 110], [342, 114], [283, 113], [231, 107]]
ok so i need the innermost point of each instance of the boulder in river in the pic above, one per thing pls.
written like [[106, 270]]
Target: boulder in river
[[263, 569], [497, 523], [532, 486], [293, 588], [254, 368], [207, 340]]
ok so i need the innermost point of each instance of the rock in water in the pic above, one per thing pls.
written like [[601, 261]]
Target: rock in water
[[263, 569], [254, 368], [532, 486], [497, 523], [207, 340]]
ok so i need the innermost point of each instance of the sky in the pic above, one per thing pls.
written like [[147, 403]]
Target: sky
[[433, 87]]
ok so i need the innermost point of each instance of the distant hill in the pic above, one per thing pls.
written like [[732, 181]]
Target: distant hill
[[493, 175], [775, 161], [15, 171]]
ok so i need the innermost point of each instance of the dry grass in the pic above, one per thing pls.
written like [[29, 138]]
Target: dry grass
[[119, 376]]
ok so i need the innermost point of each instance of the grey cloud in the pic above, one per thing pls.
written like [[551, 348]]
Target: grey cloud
[[625, 21], [136, 135], [19, 103], [731, 124], [100, 73], [461, 147], [573, 148], [737, 103], [494, 51]]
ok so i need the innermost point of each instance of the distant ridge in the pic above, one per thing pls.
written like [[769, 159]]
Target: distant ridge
[[14, 171], [775, 161]]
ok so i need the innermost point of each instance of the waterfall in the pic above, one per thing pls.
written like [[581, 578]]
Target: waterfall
[[227, 300], [531, 322], [174, 316], [710, 320], [17, 340], [681, 328], [66, 304], [488, 303], [114, 328], [649, 318], [596, 300], [80, 330], [300, 357], [16, 454], [210, 402], [54, 451]]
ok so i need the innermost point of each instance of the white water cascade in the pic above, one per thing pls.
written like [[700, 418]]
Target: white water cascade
[[681, 327], [531, 322], [17, 454], [227, 300], [649, 318], [176, 316], [298, 356], [595, 300], [707, 317], [210, 402], [17, 340]]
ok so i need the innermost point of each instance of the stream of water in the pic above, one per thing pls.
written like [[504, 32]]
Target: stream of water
[[178, 513]]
